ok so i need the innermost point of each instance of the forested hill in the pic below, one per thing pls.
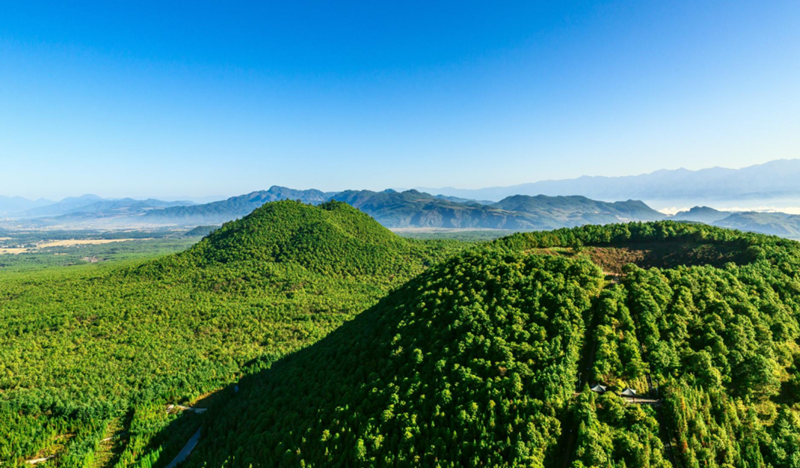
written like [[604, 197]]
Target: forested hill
[[329, 238], [487, 359], [91, 360], [471, 363]]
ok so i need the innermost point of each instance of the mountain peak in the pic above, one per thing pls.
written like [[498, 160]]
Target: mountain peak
[[329, 238]]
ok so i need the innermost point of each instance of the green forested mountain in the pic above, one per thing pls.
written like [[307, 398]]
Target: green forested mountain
[[487, 359], [713, 340], [331, 238], [326, 340], [471, 363], [91, 354]]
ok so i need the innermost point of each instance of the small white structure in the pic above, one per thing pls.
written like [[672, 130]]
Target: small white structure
[[598, 388], [629, 392]]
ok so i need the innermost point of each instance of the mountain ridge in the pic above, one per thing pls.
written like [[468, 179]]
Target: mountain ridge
[[235, 207], [83, 205], [773, 179], [412, 208]]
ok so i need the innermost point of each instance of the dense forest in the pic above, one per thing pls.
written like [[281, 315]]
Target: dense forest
[[697, 325], [85, 351], [463, 365], [712, 340], [643, 344]]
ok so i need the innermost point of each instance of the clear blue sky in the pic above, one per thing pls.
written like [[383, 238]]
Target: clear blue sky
[[199, 98]]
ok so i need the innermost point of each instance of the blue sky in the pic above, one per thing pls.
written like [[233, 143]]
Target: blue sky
[[172, 99]]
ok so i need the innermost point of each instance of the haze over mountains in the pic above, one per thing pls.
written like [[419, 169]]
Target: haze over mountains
[[769, 182], [416, 209], [409, 209], [84, 206], [537, 206], [17, 204]]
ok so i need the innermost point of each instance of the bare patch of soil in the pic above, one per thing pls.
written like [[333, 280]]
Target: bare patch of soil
[[612, 259]]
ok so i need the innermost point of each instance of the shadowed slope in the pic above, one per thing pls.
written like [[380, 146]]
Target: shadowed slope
[[471, 361]]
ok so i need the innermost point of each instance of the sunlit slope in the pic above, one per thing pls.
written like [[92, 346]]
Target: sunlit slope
[[78, 348], [705, 325], [330, 238]]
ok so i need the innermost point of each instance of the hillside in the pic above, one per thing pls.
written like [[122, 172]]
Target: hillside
[[488, 358], [329, 238], [92, 354], [442, 372]]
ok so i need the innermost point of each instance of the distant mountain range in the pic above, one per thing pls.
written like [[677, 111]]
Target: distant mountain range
[[778, 224], [17, 204], [537, 206], [416, 209], [235, 207], [772, 180], [393, 209], [83, 207]]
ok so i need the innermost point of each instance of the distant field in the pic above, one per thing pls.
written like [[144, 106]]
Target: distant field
[[61, 243], [31, 251]]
